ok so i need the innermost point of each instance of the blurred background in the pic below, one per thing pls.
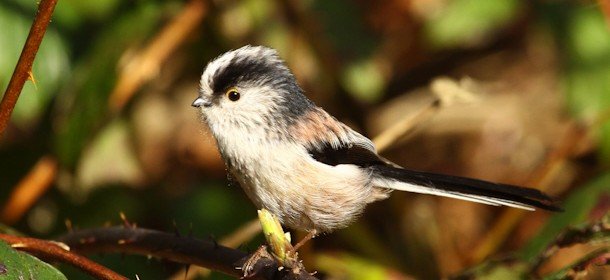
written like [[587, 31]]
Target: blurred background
[[106, 125]]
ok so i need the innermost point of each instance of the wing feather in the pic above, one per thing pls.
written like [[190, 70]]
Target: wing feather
[[388, 175]]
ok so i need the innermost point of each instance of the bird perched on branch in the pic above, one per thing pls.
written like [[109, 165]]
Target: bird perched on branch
[[294, 159]]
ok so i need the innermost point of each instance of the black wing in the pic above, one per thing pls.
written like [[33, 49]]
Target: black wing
[[356, 154], [361, 156]]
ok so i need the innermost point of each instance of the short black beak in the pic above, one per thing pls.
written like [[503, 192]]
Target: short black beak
[[199, 102]]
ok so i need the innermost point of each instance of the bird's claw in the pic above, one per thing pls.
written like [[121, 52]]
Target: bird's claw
[[248, 268]]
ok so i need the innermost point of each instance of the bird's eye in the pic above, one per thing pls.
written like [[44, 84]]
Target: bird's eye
[[233, 94]]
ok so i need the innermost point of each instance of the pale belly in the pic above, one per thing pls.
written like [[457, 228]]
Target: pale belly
[[308, 195]]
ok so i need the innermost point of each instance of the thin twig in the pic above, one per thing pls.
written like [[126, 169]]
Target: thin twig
[[145, 66], [541, 179], [29, 189], [174, 248], [24, 65], [55, 252], [389, 136], [445, 92]]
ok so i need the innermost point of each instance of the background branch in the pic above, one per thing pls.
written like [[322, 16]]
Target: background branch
[[180, 249], [29, 190]]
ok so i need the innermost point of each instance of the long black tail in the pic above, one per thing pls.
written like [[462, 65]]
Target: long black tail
[[462, 188]]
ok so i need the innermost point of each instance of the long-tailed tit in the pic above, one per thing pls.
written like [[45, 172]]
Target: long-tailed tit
[[297, 161]]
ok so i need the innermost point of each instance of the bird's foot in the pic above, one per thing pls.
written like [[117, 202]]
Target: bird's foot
[[248, 268]]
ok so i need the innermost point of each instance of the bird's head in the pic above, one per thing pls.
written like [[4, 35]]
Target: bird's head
[[249, 89]]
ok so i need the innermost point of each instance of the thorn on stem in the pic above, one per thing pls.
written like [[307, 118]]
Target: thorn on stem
[[31, 78], [186, 271], [126, 222], [68, 224], [176, 230]]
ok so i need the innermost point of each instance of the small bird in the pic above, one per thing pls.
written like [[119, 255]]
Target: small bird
[[310, 170]]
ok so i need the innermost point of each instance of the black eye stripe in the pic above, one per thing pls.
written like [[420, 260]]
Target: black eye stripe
[[244, 70], [258, 69]]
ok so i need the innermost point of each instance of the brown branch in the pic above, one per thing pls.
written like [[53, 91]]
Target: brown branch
[[29, 189], [240, 236], [55, 252], [174, 248], [24, 65]]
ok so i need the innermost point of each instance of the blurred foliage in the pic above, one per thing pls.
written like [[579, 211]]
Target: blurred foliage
[[587, 44], [83, 101], [152, 161], [345, 266], [462, 23]]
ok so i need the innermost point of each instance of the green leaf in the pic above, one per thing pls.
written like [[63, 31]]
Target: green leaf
[[346, 266], [504, 271], [577, 207], [18, 265], [466, 22], [495, 270]]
